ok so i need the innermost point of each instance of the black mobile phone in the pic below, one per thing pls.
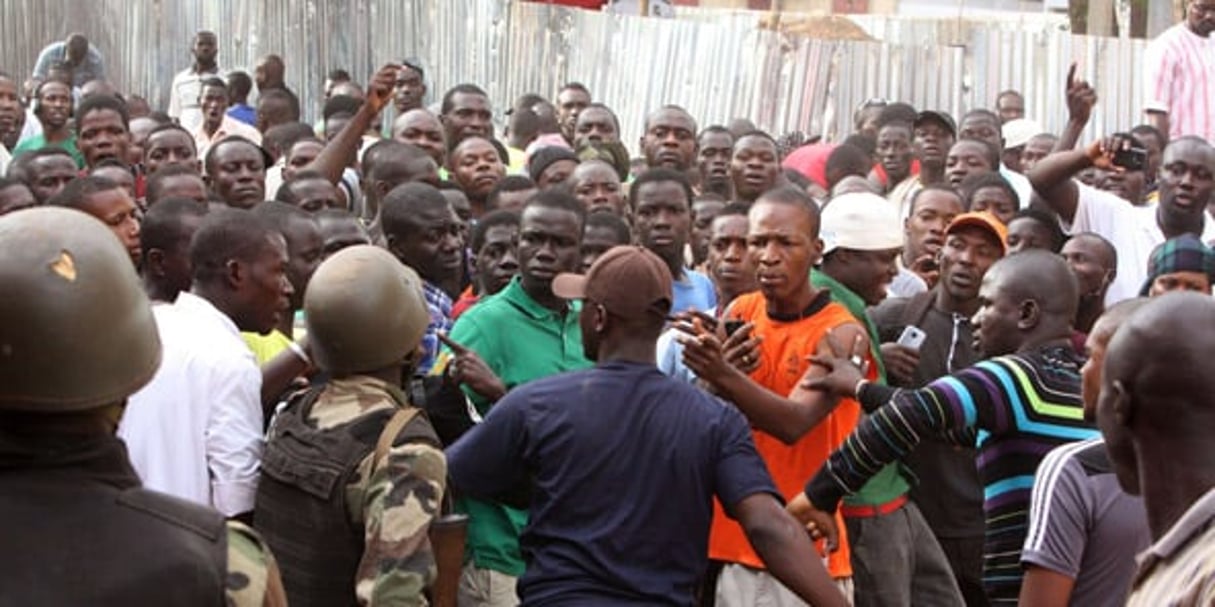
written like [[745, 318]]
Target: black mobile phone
[[733, 324], [1131, 159]]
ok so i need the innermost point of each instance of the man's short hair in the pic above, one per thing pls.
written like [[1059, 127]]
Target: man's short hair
[[19, 167], [94, 103], [284, 96], [339, 75], [280, 137], [986, 113], [510, 183], [465, 89], [525, 123], [388, 155], [671, 106], [213, 82], [657, 176], [610, 112], [227, 234], [279, 215], [847, 159], [896, 112], [792, 196], [162, 227], [239, 84], [286, 192], [1150, 131], [561, 201], [936, 187], [492, 219], [573, 86], [1057, 237], [620, 230], [156, 181], [404, 202], [734, 209], [864, 143], [712, 129], [993, 153], [173, 126], [73, 195], [991, 179], [230, 140], [341, 105]]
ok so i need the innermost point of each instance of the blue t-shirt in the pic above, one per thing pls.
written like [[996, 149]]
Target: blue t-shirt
[[625, 464], [244, 113], [694, 291]]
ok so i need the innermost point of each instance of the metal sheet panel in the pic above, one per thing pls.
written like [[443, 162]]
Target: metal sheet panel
[[718, 64]]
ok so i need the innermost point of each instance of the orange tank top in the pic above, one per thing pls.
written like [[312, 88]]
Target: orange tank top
[[783, 362]]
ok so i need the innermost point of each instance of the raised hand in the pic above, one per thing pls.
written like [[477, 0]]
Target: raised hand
[[467, 368]]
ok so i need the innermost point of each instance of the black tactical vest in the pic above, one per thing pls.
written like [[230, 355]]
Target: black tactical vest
[[301, 507], [72, 536]]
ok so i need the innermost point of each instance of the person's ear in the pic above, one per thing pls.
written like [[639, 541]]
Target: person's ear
[[1030, 314], [235, 273], [601, 319], [154, 262], [1123, 403]]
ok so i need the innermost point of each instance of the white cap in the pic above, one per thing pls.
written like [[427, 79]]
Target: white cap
[[862, 222], [1018, 132]]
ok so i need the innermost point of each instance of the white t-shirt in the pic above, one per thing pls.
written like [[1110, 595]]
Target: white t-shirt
[[1020, 184], [1132, 230]]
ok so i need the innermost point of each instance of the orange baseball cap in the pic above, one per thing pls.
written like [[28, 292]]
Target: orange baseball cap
[[984, 220]]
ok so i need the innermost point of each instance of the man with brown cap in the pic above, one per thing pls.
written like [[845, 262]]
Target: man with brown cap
[[592, 538], [79, 528], [366, 541]]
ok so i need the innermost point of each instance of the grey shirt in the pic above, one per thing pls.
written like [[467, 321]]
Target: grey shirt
[[1082, 525]]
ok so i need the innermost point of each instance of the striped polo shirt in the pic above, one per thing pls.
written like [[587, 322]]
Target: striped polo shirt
[[1179, 73], [1179, 569], [1014, 409]]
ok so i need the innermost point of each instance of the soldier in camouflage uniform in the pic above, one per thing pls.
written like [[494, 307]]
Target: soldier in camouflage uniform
[[352, 475], [78, 529]]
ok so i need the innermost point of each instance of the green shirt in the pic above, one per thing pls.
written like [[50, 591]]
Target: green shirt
[[520, 340], [39, 141], [888, 484]]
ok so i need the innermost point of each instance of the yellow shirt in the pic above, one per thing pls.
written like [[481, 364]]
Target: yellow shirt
[[266, 347]]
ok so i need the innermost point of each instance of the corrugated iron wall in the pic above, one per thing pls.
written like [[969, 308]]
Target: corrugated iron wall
[[717, 64]]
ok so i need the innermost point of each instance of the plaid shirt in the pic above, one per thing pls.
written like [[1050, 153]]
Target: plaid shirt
[[438, 304]]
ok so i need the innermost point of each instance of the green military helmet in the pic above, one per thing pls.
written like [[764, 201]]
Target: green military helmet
[[76, 329], [365, 311]]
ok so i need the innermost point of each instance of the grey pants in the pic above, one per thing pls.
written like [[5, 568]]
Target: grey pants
[[897, 562]]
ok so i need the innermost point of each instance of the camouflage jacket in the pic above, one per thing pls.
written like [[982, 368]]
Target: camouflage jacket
[[394, 504], [253, 579]]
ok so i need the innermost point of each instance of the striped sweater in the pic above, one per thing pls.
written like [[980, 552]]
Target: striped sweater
[[1016, 407]]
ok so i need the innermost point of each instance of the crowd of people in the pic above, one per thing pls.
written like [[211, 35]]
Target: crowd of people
[[945, 361]]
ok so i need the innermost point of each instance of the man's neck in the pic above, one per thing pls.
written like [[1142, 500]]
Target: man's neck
[[158, 292], [211, 128], [1090, 308], [1172, 476], [951, 305], [1058, 336], [543, 295], [931, 174], [286, 324], [796, 305], [57, 135], [216, 299], [629, 350], [675, 262], [204, 69], [1175, 225]]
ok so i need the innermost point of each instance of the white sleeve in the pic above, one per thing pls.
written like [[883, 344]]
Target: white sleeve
[[1157, 77], [234, 438], [1096, 211], [174, 99]]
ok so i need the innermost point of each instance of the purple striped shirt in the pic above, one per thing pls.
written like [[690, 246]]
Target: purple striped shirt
[[1179, 73]]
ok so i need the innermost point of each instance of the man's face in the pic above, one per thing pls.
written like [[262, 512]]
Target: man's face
[[1090, 264], [462, 207], [183, 186], [266, 291], [780, 246], [867, 273], [119, 175], [932, 142], [550, 243], [983, 128], [1200, 16], [475, 165], [409, 91], [116, 209], [995, 200], [214, 102], [10, 107], [965, 258], [556, 173], [1118, 442], [703, 213], [925, 228], [754, 166], [205, 49], [1025, 233], [15, 198], [434, 247], [423, 129], [1010, 107], [596, 125], [596, 241], [301, 155], [515, 200], [497, 261], [966, 158], [670, 140], [1034, 151], [713, 160], [470, 116], [173, 268], [305, 250], [662, 218], [101, 135], [1127, 185], [894, 152], [50, 174], [339, 233], [271, 113], [1186, 179], [597, 186], [238, 174], [996, 324], [316, 194], [1090, 373], [570, 103], [55, 105], [1197, 282], [169, 147], [729, 264]]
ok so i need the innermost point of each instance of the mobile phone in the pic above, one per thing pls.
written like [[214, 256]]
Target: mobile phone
[[733, 324], [1131, 159], [912, 338]]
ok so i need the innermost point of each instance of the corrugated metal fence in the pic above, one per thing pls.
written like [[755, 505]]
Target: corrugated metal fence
[[718, 65]]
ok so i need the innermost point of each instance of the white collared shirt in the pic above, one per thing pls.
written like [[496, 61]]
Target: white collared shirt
[[228, 127], [195, 431], [183, 97]]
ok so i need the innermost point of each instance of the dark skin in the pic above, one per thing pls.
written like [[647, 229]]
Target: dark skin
[[925, 231], [254, 293], [669, 140], [433, 246], [238, 174], [549, 243], [169, 147], [55, 108], [101, 135], [754, 167], [782, 245], [662, 221], [204, 51], [336, 154], [470, 116], [423, 129], [895, 152], [15, 198], [166, 272], [50, 174], [1095, 266], [713, 160], [1154, 406]]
